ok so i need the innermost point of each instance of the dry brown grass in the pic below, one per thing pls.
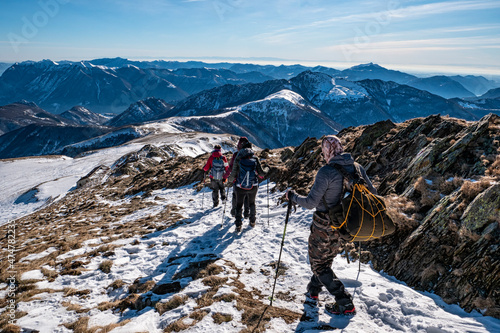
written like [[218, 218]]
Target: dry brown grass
[[11, 328], [220, 318], [78, 326], [471, 190], [447, 186], [81, 326], [139, 287], [105, 266], [494, 169], [198, 314], [121, 305], [171, 304], [206, 299], [75, 292], [74, 307], [211, 269], [214, 281], [401, 211], [116, 284], [50, 274], [178, 326], [429, 196]]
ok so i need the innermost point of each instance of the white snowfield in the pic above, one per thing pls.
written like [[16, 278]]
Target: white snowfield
[[383, 303], [51, 177]]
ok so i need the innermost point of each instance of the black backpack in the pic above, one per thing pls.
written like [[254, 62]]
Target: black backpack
[[247, 176], [362, 215], [218, 168]]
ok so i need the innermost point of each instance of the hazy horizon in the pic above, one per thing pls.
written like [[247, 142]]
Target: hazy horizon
[[455, 37]]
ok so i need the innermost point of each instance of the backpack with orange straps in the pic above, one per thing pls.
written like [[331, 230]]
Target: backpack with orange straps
[[361, 215]]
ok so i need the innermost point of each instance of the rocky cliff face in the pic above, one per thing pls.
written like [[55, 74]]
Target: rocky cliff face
[[441, 180]]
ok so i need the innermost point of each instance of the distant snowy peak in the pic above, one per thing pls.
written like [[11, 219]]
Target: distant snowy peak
[[84, 116], [24, 113], [141, 111], [320, 88], [282, 97]]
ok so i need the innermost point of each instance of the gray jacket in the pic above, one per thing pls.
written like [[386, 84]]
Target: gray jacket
[[328, 184]]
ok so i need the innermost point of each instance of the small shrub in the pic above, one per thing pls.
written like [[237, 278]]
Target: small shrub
[[50, 274], [470, 190], [105, 266], [198, 315], [116, 284], [494, 168], [214, 281], [220, 318], [177, 326], [173, 303]]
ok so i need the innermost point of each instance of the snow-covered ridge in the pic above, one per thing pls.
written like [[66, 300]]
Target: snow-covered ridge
[[284, 96]]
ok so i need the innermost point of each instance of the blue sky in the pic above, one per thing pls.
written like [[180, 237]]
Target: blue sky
[[430, 36]]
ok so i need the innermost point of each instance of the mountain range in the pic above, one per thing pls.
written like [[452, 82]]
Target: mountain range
[[111, 85], [271, 112]]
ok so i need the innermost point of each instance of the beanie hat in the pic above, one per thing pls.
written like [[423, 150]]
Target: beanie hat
[[217, 147], [331, 146], [242, 141]]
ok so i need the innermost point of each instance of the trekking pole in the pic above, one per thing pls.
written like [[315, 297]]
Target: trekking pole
[[203, 192], [224, 210], [268, 202], [359, 267], [289, 208]]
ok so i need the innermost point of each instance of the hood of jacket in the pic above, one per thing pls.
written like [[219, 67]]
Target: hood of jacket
[[216, 153], [245, 152], [344, 159]]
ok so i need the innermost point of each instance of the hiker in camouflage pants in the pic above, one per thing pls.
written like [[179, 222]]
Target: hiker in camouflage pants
[[324, 242]]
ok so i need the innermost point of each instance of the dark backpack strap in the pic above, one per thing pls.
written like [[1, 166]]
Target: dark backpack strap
[[355, 177]]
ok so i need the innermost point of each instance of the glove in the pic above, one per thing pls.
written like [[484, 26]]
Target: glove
[[224, 180], [290, 195]]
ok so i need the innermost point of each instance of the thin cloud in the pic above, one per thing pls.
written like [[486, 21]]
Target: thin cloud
[[411, 12]]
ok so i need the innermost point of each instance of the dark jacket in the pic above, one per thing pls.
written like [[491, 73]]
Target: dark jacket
[[329, 183], [244, 153]]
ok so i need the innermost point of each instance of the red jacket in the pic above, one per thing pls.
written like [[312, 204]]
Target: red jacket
[[215, 154]]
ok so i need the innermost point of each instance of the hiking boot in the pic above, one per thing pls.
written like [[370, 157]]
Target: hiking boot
[[238, 228], [216, 204], [252, 224], [311, 297], [343, 306]]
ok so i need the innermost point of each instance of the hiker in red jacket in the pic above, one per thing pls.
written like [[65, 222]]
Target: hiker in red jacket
[[217, 164], [246, 211]]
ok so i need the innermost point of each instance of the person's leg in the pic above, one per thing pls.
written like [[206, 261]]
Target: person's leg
[[314, 287], [221, 189], [251, 195], [247, 208], [215, 192], [323, 247], [240, 196], [233, 202]]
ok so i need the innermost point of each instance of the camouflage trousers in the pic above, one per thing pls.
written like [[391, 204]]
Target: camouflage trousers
[[324, 245]]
